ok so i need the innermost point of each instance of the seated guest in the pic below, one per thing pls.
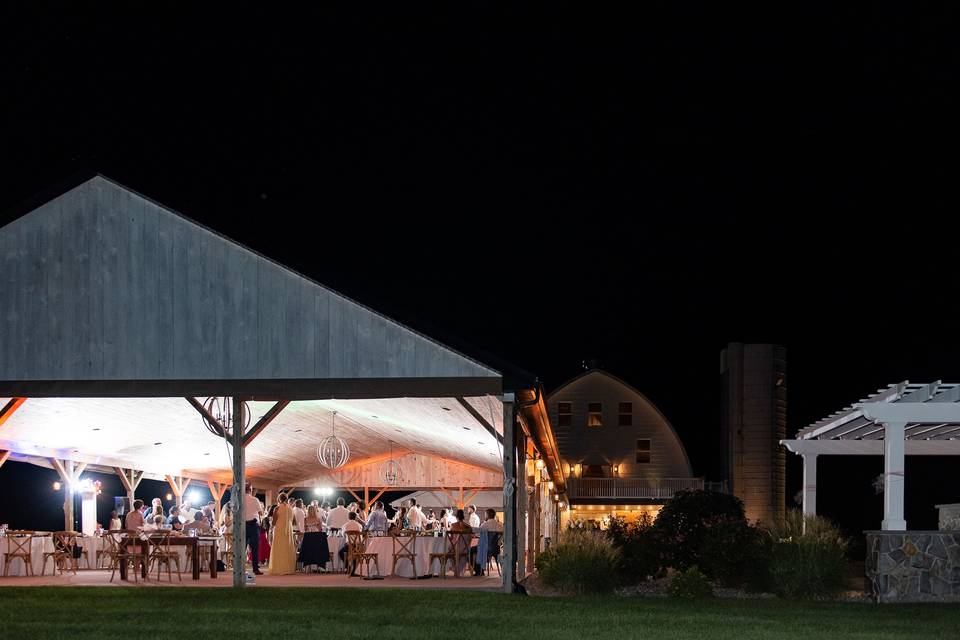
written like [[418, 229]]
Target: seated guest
[[156, 523], [199, 522], [174, 519], [187, 511], [377, 522], [337, 516], [155, 504], [350, 525], [134, 519], [115, 521], [459, 526], [490, 525], [355, 508], [312, 522]]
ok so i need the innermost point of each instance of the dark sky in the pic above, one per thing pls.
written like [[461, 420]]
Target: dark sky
[[640, 188]]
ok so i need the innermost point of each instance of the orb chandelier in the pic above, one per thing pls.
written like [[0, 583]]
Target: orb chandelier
[[391, 470], [333, 451], [221, 409]]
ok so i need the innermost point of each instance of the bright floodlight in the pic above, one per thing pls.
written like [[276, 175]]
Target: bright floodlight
[[194, 497], [327, 491], [317, 491]]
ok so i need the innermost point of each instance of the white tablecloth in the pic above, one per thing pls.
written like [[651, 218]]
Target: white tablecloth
[[425, 545], [18, 567]]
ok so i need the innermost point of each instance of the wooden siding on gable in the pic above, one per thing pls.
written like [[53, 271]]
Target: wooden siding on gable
[[611, 443], [103, 284]]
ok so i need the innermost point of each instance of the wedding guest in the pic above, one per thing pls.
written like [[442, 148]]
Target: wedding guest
[[355, 508], [460, 526], [283, 551], [377, 522], [472, 518], [210, 512], [155, 504], [115, 521], [350, 525], [399, 520], [252, 510], [226, 517], [264, 552], [299, 515], [415, 517], [442, 520], [312, 522], [199, 522], [491, 523], [174, 519], [451, 516], [134, 519], [337, 516]]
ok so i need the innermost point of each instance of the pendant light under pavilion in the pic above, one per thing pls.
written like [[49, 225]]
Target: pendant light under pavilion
[[391, 470], [333, 452]]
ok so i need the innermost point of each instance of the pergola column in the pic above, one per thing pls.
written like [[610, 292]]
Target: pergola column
[[809, 484], [131, 480], [69, 472], [237, 494], [894, 444], [509, 495]]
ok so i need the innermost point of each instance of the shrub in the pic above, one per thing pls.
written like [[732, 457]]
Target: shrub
[[581, 562], [690, 584], [806, 557], [708, 530], [639, 552]]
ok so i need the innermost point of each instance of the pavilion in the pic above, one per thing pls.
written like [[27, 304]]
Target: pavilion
[[903, 419], [136, 341]]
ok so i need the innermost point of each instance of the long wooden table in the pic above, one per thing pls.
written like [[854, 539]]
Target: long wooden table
[[193, 543]]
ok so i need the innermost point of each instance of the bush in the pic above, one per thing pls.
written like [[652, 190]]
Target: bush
[[581, 562], [640, 555], [806, 557], [708, 530], [690, 584]]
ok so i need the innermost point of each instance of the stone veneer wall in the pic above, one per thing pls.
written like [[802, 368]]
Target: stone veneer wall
[[913, 566]]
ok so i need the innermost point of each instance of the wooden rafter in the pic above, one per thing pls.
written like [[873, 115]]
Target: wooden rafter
[[480, 419], [217, 489], [178, 484], [130, 478], [202, 410], [354, 494], [376, 497], [8, 409], [4, 456], [470, 497], [262, 423]]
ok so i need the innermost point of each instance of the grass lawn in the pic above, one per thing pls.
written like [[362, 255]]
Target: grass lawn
[[91, 612]]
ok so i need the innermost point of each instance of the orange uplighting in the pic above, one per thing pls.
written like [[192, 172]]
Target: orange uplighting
[[169, 496], [57, 486]]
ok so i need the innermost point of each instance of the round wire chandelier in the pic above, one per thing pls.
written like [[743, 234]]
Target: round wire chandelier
[[391, 470], [221, 409], [333, 452]]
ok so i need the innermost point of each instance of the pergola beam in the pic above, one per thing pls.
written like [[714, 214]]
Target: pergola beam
[[10, 408], [209, 417], [4, 456], [483, 422], [871, 447]]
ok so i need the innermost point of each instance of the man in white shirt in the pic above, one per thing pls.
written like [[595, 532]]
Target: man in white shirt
[[472, 518], [491, 524], [451, 516], [252, 509], [415, 516], [338, 516], [299, 515], [352, 524]]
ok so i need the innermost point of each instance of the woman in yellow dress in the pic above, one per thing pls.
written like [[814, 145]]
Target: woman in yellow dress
[[283, 552]]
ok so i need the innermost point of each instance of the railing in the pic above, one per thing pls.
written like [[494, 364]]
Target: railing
[[650, 488]]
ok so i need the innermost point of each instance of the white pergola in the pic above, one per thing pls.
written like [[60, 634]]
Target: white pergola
[[903, 419]]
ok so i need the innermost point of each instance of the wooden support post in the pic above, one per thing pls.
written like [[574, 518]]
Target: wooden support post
[[217, 489], [377, 497], [130, 478], [509, 495], [4, 456], [366, 500], [469, 498], [69, 472], [354, 494], [179, 484], [521, 506], [237, 496]]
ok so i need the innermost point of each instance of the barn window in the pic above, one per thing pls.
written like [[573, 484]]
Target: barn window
[[625, 414], [564, 414], [643, 451], [594, 414]]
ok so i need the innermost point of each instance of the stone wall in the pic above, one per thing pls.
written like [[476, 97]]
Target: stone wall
[[913, 566]]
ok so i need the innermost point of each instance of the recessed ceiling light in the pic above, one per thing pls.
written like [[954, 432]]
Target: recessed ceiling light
[[466, 428], [375, 417], [445, 408], [297, 430], [157, 443], [399, 430], [96, 428], [207, 453], [480, 442]]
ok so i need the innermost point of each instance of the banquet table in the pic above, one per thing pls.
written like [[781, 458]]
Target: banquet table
[[425, 545], [192, 542], [38, 546]]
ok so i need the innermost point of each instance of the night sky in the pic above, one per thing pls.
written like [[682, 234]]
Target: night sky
[[636, 188]]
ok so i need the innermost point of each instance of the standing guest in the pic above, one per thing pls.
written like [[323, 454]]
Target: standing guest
[[473, 519], [415, 516], [252, 510], [226, 517], [199, 522], [377, 522], [442, 520], [312, 522], [115, 521], [283, 551], [264, 554], [134, 519], [210, 512], [299, 515], [155, 523], [187, 511], [355, 508], [451, 516], [399, 521], [337, 516], [431, 521]]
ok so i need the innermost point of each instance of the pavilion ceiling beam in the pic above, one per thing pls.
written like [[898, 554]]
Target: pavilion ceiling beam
[[480, 419], [4, 456], [374, 499], [202, 410], [9, 408], [263, 422]]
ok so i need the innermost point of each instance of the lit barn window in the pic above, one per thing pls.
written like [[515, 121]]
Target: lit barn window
[[643, 451], [625, 414], [594, 414], [564, 414]]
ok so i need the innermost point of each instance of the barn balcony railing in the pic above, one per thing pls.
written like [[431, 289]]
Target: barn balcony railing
[[649, 488]]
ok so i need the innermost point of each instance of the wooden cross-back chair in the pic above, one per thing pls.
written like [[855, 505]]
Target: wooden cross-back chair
[[20, 545], [357, 555], [407, 551], [128, 550], [161, 553], [456, 547], [64, 553]]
